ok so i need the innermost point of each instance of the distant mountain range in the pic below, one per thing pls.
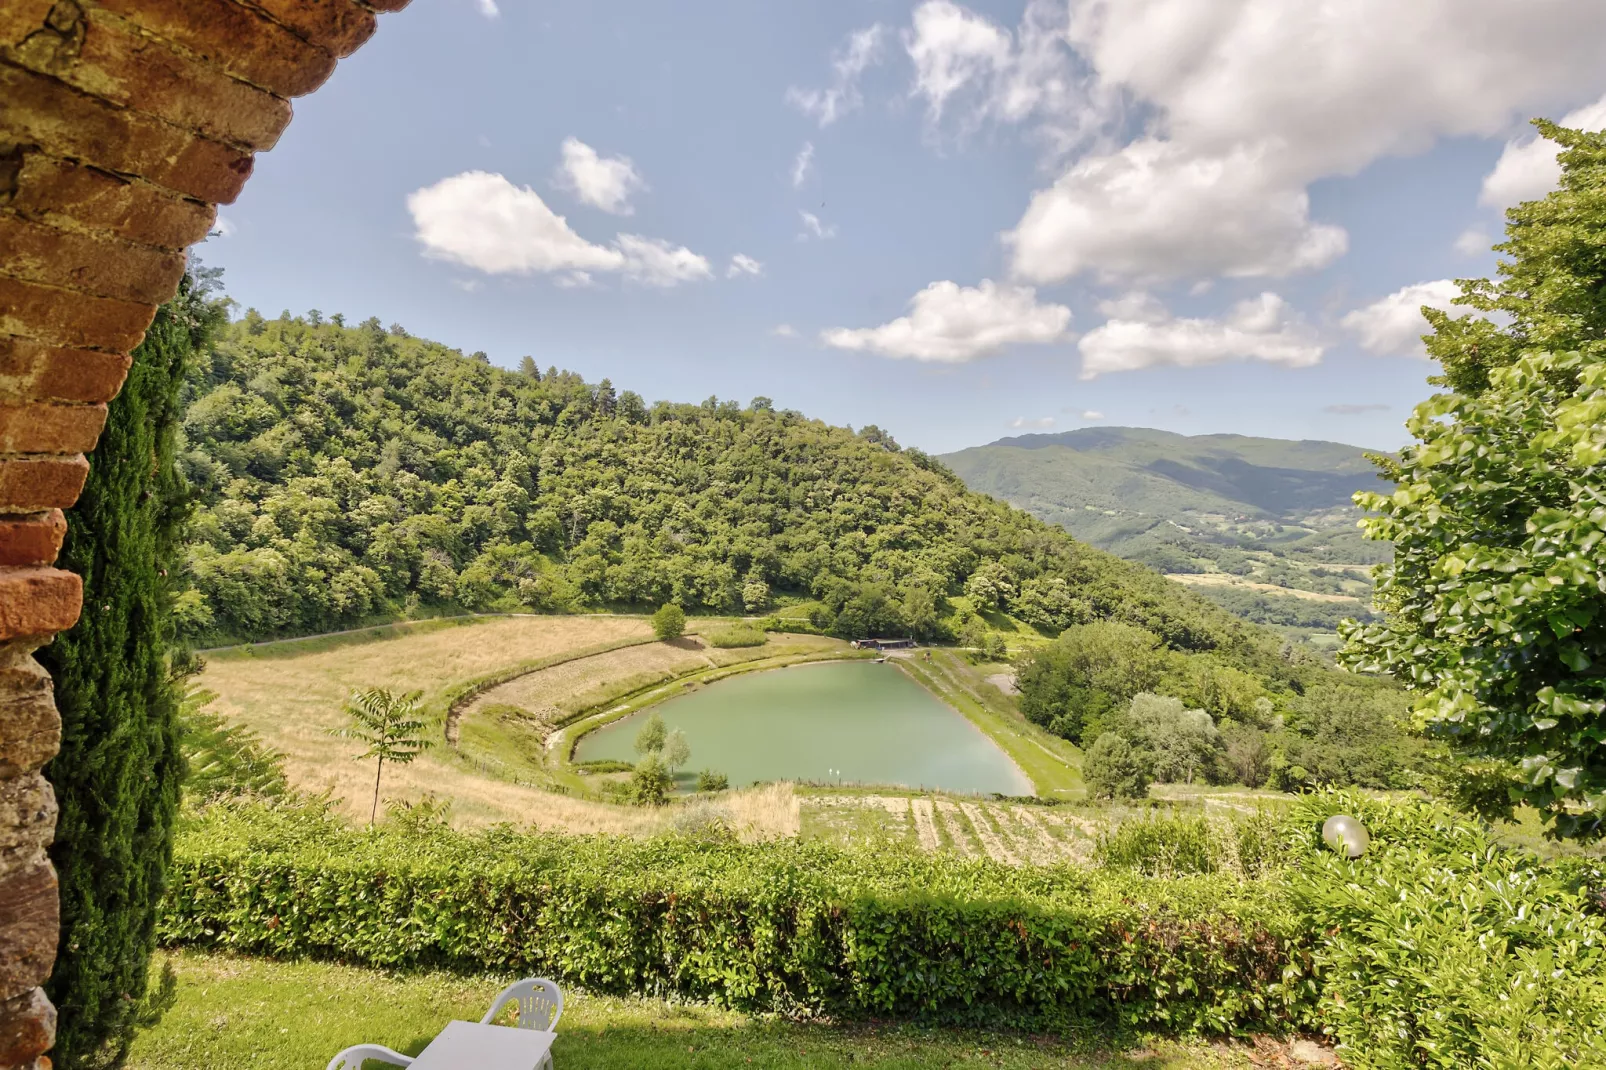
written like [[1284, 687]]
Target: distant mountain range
[[1265, 526]]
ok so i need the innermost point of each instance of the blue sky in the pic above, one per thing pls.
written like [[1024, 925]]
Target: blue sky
[[1201, 215]]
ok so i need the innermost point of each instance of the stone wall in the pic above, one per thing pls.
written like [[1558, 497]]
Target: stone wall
[[123, 123]]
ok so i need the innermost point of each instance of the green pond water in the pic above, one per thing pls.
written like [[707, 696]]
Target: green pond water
[[855, 722]]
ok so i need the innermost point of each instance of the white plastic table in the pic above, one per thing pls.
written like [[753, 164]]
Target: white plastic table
[[473, 1046]]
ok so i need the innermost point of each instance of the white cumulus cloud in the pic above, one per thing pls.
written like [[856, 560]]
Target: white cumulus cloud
[[1247, 102], [948, 323], [1394, 325], [803, 164], [1152, 211], [1092, 415], [604, 182], [857, 54], [953, 48], [784, 330], [971, 68], [1264, 328], [1474, 241], [813, 228], [1039, 422], [483, 221], [742, 264], [1527, 169], [488, 8], [658, 263]]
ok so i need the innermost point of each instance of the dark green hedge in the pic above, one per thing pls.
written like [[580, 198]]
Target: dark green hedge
[[798, 928], [116, 778]]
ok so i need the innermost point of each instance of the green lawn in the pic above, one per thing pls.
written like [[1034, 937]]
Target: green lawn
[[238, 1012]]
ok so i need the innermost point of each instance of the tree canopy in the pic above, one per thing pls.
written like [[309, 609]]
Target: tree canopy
[[352, 474], [1496, 599]]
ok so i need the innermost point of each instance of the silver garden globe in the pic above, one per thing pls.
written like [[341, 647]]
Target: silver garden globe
[[1346, 835]]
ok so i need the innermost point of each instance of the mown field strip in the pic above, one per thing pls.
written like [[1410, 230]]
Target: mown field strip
[[991, 842], [960, 835], [925, 824]]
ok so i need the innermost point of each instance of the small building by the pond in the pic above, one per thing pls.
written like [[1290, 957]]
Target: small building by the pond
[[883, 644]]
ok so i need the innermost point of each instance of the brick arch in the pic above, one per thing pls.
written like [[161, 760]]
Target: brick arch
[[123, 124]]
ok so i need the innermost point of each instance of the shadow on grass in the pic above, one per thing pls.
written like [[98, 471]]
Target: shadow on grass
[[781, 1046], [234, 1011]]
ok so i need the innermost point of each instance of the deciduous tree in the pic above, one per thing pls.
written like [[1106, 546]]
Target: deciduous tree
[[1496, 598], [389, 727]]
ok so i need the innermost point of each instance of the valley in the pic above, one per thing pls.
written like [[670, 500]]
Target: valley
[[1263, 527]]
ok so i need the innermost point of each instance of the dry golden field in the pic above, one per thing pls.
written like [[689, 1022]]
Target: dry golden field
[[292, 693], [292, 697]]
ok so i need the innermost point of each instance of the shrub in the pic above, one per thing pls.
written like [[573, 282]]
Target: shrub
[[669, 622], [795, 927], [708, 780], [703, 820], [117, 776], [740, 635], [651, 782], [1440, 949], [1160, 845], [604, 765], [1114, 769]]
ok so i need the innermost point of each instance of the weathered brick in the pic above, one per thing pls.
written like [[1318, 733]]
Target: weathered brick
[[62, 318], [338, 26], [38, 110], [109, 57], [38, 601], [30, 727], [27, 1031], [102, 267], [47, 428], [243, 42], [29, 370], [69, 195], [32, 484], [30, 915], [28, 540]]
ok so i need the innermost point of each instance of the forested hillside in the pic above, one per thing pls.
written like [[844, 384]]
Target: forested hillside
[[344, 474], [1259, 525]]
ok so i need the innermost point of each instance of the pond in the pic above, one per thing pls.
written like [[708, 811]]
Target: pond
[[854, 722]]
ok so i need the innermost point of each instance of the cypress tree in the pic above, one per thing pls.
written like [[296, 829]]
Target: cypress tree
[[117, 776]]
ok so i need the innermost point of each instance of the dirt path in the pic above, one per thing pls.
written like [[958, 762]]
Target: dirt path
[[925, 824], [1004, 681]]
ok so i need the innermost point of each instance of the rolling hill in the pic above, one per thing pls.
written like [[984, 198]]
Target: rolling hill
[[343, 475], [1263, 526]]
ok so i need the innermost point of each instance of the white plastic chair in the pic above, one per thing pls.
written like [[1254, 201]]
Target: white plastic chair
[[352, 1058], [540, 1004]]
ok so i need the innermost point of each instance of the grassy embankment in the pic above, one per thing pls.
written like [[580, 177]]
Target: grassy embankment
[[1052, 764], [239, 1012]]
